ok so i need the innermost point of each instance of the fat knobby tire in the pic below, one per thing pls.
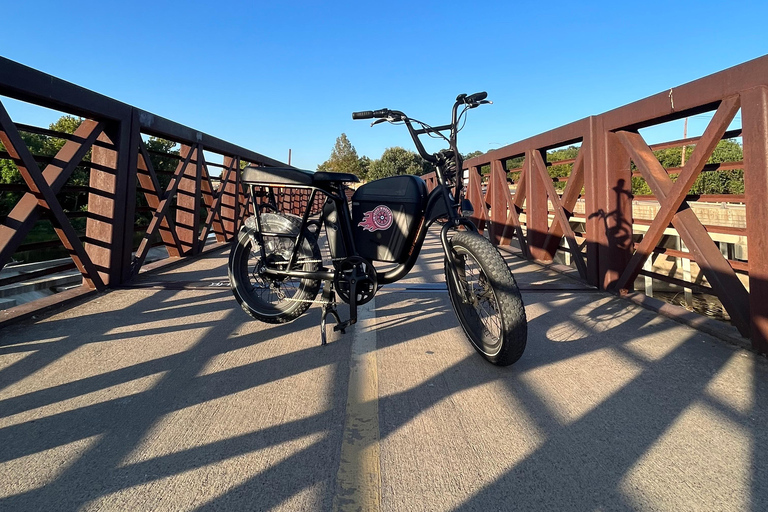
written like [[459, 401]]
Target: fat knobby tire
[[510, 307], [239, 270]]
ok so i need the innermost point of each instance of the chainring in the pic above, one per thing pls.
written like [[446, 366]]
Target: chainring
[[359, 271]]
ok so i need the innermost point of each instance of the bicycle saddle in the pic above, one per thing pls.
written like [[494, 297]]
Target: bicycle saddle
[[291, 176]]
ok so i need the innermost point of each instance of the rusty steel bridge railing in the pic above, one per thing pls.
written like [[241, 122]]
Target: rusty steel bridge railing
[[606, 252], [202, 197]]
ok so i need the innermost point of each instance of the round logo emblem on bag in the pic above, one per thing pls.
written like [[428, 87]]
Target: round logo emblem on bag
[[378, 219]]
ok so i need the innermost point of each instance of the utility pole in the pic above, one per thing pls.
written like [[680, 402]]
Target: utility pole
[[685, 136]]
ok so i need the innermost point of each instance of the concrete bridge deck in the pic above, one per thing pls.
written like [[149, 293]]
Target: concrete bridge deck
[[166, 396]]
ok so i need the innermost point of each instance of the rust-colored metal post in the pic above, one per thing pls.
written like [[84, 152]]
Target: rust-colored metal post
[[594, 223], [243, 203], [504, 222], [754, 117], [197, 245], [475, 196], [536, 209], [229, 197], [128, 160], [111, 203], [431, 180], [187, 202], [614, 206]]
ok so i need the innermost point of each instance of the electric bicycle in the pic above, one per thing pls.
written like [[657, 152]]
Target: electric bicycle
[[276, 269]]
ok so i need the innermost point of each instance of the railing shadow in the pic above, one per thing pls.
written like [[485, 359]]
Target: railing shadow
[[584, 455]]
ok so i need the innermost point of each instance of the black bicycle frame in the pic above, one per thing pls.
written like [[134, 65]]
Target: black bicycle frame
[[439, 204]]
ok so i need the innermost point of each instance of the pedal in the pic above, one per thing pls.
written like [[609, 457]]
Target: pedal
[[341, 326]]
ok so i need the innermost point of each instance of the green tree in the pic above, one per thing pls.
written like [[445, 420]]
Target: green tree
[[396, 161], [561, 170], [485, 169], [715, 182], [45, 146], [164, 166], [555, 170], [81, 176], [343, 158], [365, 165]]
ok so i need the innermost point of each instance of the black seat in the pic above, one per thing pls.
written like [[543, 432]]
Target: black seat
[[287, 176], [336, 176], [276, 176]]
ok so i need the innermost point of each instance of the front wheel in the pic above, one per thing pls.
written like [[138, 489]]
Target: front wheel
[[493, 317]]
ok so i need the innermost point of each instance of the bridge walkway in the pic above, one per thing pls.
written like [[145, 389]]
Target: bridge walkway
[[166, 396]]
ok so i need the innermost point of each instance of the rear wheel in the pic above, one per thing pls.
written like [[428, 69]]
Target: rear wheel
[[273, 300], [494, 316]]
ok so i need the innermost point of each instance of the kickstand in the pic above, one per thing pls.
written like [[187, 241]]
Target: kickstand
[[329, 306]]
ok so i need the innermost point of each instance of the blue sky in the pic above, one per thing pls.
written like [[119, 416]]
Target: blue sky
[[277, 75]]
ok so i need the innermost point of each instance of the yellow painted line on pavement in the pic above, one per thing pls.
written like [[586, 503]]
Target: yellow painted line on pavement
[[358, 481]]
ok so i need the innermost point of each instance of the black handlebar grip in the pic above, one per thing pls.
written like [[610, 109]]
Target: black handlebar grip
[[366, 114], [478, 96], [384, 112]]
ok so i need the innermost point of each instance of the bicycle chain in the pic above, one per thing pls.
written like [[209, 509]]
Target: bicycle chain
[[317, 261], [313, 301]]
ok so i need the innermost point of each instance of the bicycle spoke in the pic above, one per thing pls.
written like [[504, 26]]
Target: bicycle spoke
[[483, 298]]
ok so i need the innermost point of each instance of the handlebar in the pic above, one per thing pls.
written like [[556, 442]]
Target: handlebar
[[370, 114], [448, 163], [474, 98], [471, 101]]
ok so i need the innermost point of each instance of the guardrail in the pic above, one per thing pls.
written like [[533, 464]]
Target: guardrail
[[609, 254], [202, 197]]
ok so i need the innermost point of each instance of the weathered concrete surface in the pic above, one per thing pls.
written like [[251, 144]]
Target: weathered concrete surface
[[172, 399]]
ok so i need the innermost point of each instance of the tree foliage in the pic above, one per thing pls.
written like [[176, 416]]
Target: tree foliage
[[396, 161], [561, 170], [715, 182], [45, 146], [344, 159], [164, 166], [76, 200]]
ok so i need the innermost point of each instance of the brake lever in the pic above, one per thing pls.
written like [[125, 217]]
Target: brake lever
[[478, 103], [380, 120]]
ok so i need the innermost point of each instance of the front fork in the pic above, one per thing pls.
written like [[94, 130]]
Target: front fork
[[453, 259]]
